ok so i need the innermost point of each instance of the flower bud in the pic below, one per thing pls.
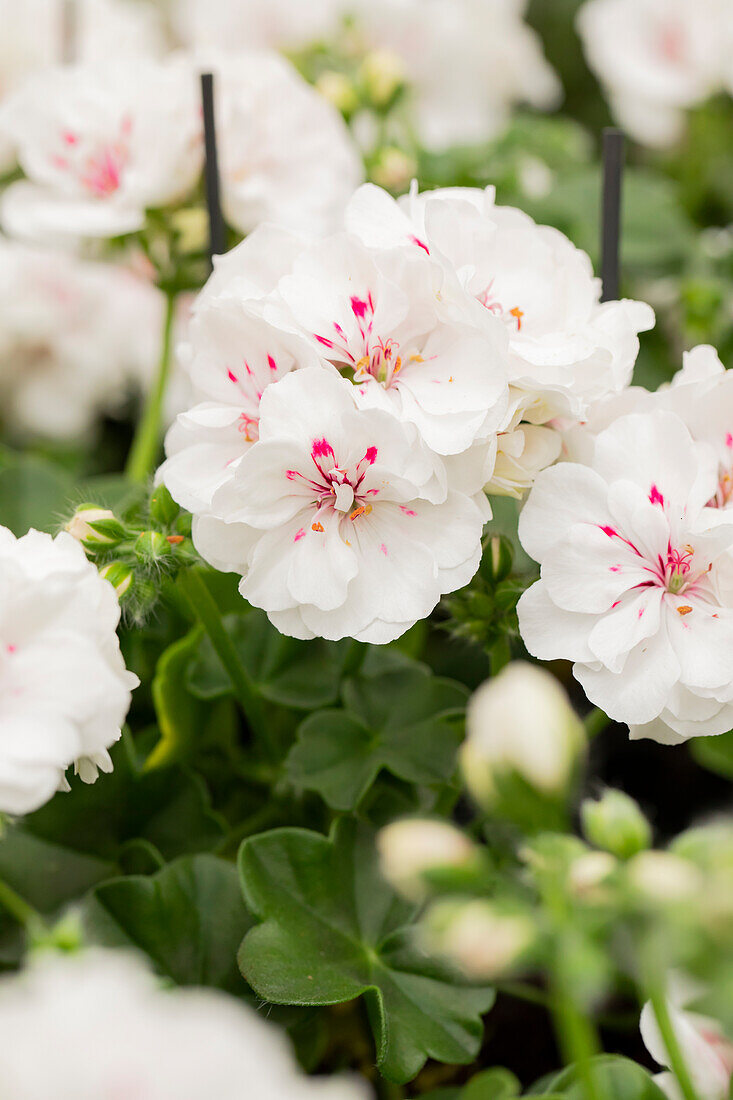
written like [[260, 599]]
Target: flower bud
[[497, 559], [588, 874], [119, 575], [382, 74], [616, 824], [664, 878], [95, 526], [151, 546], [410, 849], [338, 90], [163, 508], [520, 723], [393, 168], [480, 939]]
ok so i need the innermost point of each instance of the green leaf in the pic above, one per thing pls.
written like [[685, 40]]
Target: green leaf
[[189, 918], [167, 807], [33, 493], [618, 1078], [287, 672], [714, 753], [492, 1084], [407, 721], [333, 930], [48, 875]]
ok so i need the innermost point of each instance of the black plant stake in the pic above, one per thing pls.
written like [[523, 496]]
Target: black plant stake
[[613, 166], [211, 170]]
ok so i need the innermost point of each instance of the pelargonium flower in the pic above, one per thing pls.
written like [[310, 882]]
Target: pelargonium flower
[[338, 518], [112, 1030], [707, 1051], [64, 689], [635, 581], [286, 155], [656, 58], [566, 349], [75, 339], [413, 343], [99, 146], [231, 355], [467, 62]]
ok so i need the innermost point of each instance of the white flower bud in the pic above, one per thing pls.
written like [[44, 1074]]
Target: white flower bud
[[665, 878], [79, 526], [408, 849], [588, 873], [338, 90], [119, 575], [382, 73], [482, 941], [615, 823], [521, 721]]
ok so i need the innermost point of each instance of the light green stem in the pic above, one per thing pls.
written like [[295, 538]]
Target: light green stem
[[18, 907], [203, 604], [595, 723], [678, 1065], [145, 447]]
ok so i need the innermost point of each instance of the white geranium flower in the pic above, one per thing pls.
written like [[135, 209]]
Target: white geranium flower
[[636, 578], [412, 340], [566, 348], [286, 155], [656, 58], [75, 338], [708, 1053], [111, 1030], [232, 354], [521, 454], [64, 690], [468, 62], [99, 145], [33, 38], [338, 518]]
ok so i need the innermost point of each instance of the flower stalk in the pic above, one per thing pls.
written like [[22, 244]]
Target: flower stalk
[[146, 444]]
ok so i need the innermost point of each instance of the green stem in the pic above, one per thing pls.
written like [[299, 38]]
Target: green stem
[[205, 608], [523, 992], [18, 907], [595, 722], [576, 1035], [677, 1063], [146, 444]]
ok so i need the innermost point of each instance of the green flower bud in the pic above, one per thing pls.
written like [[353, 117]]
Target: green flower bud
[[163, 508], [119, 575], [151, 546], [616, 824], [382, 75], [338, 90], [497, 560]]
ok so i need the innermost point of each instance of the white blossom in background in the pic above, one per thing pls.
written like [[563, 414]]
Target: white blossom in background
[[286, 155], [707, 1051], [413, 847], [64, 689], [636, 582], [76, 338], [338, 518], [111, 1030], [104, 30], [99, 144], [468, 62], [656, 59]]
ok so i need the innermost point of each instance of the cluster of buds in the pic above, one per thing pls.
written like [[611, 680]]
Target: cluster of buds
[[485, 612], [136, 553]]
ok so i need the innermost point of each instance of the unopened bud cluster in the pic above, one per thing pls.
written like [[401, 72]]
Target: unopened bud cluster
[[486, 611]]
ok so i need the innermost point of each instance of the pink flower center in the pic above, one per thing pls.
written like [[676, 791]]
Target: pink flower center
[[376, 358], [99, 169], [511, 317], [335, 488]]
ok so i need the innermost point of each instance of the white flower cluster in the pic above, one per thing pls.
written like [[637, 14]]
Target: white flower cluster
[[76, 338], [356, 390], [657, 58], [64, 689], [467, 61], [111, 1030], [634, 537], [102, 143]]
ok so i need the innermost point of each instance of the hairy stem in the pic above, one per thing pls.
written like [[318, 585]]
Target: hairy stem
[[145, 447]]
